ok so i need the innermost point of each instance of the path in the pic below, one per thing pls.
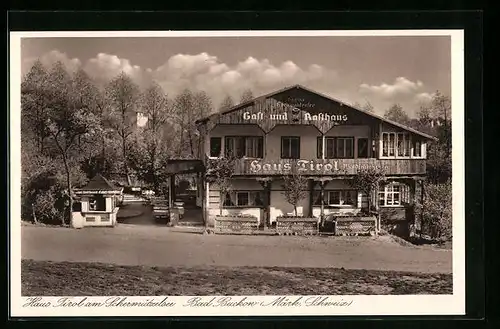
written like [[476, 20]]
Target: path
[[162, 246]]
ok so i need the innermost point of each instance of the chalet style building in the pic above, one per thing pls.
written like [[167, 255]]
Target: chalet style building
[[327, 140]]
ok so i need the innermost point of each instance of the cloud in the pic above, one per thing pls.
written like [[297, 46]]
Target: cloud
[[400, 88], [206, 72], [424, 97], [105, 67], [50, 58]]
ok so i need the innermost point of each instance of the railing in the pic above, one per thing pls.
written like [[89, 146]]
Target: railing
[[328, 166]]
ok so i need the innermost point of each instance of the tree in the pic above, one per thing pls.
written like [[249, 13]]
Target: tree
[[122, 97], [68, 119], [203, 104], [293, 186], [441, 108], [90, 97], [151, 149], [367, 106], [226, 103], [397, 114], [436, 210], [184, 113], [368, 181], [220, 171], [34, 104], [246, 96]]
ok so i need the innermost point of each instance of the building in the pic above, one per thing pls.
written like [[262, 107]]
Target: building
[[96, 204], [327, 140]]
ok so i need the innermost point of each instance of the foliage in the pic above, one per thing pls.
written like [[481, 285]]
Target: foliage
[[436, 211], [220, 171], [397, 114], [367, 106], [246, 96], [226, 103], [294, 186], [122, 96], [368, 181]]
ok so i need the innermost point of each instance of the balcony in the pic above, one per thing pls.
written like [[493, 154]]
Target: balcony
[[319, 167]]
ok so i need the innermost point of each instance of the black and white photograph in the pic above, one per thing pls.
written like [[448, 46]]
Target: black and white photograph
[[237, 172]]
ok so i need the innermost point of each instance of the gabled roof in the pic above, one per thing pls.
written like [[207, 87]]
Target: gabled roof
[[298, 86], [99, 183]]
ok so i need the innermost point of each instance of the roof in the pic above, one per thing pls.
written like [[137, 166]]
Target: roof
[[99, 183], [298, 86]]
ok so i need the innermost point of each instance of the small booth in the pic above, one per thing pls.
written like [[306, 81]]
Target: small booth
[[96, 204]]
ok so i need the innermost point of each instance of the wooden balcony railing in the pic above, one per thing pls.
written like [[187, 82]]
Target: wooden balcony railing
[[328, 166]]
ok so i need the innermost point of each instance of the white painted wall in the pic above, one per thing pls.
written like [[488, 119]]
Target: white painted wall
[[308, 141], [279, 205]]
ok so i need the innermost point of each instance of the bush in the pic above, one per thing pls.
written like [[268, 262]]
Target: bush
[[436, 211]]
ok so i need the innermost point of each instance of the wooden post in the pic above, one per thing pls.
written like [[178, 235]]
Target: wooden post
[[322, 196], [266, 184], [311, 196]]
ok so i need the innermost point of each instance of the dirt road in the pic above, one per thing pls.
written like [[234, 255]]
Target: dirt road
[[162, 246]]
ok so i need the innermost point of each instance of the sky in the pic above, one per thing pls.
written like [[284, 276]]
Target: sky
[[406, 70]]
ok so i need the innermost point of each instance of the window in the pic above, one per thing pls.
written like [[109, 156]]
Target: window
[[336, 147], [385, 144], [336, 198], [215, 146], [344, 147], [395, 144], [403, 144], [362, 147], [248, 146], [392, 138], [417, 148], [394, 194], [97, 203], [243, 199], [290, 147]]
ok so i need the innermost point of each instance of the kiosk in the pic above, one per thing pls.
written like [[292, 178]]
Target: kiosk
[[96, 204]]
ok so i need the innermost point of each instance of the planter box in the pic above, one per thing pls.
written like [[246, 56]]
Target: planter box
[[236, 224], [354, 225], [297, 225]]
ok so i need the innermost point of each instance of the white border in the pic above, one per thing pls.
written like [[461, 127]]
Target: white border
[[361, 305]]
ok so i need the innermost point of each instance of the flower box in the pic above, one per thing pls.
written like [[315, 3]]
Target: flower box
[[242, 224], [287, 225], [355, 225]]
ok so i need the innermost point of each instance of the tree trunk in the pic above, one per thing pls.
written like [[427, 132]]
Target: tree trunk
[[35, 220], [70, 189], [125, 166], [295, 210]]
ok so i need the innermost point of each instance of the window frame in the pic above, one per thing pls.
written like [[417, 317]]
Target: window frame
[[290, 149], [335, 142], [342, 193], [220, 147], [249, 204], [389, 192], [96, 197], [367, 148], [245, 139], [407, 143]]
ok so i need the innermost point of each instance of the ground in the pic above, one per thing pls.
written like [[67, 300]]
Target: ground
[[138, 257], [163, 246], [47, 278]]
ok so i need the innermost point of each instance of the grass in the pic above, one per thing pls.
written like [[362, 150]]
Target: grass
[[42, 278]]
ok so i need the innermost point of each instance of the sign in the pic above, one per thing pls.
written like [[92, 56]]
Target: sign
[[97, 192], [309, 166], [293, 110]]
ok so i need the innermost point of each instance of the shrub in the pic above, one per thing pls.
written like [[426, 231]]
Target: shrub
[[436, 211]]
